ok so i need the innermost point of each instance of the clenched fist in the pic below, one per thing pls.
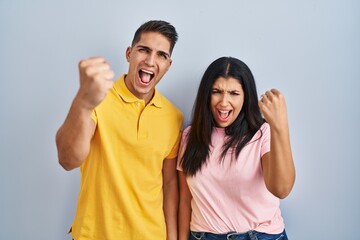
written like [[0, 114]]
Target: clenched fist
[[96, 79], [273, 106]]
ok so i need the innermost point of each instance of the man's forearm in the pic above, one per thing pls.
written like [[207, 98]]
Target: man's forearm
[[74, 136]]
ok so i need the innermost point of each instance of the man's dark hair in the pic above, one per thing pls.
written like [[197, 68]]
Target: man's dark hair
[[162, 27]]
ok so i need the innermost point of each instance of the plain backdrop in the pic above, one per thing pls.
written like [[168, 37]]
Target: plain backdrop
[[309, 50]]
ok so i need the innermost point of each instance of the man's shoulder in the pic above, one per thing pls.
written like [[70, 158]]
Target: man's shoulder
[[170, 106]]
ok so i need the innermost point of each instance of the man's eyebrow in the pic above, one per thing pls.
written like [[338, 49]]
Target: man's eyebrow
[[142, 46], [147, 48], [164, 53]]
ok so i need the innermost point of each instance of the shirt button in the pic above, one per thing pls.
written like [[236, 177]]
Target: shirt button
[[138, 104]]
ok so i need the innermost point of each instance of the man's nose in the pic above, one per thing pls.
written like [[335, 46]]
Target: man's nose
[[150, 59]]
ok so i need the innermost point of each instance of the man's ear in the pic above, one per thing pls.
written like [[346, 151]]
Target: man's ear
[[169, 64], [127, 54]]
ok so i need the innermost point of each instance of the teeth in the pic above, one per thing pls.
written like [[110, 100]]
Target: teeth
[[145, 76], [224, 114], [145, 71]]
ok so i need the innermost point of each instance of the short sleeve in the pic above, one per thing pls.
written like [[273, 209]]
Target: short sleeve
[[182, 147], [174, 151], [94, 116], [265, 139]]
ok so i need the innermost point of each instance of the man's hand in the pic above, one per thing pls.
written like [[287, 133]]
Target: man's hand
[[96, 79]]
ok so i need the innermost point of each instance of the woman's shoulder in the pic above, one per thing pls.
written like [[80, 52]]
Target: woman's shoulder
[[265, 127], [264, 130], [187, 129], [185, 133]]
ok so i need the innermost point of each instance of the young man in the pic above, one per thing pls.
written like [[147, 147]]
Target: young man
[[124, 136]]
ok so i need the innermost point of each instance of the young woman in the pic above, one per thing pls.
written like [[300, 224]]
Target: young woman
[[235, 160]]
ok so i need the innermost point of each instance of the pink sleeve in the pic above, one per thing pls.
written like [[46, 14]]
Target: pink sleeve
[[265, 139], [182, 147]]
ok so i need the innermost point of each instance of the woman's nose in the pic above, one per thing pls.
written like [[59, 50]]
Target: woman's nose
[[224, 101]]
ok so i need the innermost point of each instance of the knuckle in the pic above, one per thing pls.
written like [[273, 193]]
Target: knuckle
[[88, 71], [82, 63], [107, 66], [97, 77]]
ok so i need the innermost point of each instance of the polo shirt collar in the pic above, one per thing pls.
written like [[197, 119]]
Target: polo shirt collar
[[127, 96]]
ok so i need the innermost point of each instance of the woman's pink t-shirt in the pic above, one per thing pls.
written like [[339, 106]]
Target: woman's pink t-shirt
[[232, 196]]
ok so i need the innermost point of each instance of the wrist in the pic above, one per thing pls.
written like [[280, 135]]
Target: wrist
[[80, 102]]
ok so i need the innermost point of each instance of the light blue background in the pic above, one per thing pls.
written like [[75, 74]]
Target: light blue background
[[308, 49]]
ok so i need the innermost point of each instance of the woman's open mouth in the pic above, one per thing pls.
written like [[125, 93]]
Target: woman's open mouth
[[224, 115]]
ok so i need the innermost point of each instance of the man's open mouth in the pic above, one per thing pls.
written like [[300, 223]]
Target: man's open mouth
[[146, 76]]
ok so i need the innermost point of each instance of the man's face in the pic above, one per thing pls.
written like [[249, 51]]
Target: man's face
[[149, 59]]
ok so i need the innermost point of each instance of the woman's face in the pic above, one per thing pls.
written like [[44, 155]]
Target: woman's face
[[227, 99]]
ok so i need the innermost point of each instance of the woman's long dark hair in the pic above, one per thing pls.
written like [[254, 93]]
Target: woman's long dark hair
[[239, 133]]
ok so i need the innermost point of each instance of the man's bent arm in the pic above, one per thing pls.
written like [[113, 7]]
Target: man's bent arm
[[74, 136]]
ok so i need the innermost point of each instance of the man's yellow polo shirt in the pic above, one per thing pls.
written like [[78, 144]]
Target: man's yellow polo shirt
[[121, 194]]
